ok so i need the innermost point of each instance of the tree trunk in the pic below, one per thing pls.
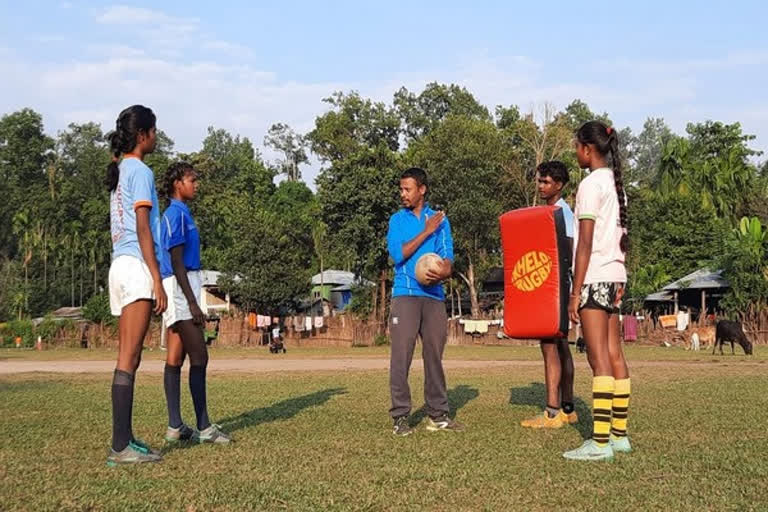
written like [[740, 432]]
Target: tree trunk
[[473, 291], [45, 261], [72, 278], [81, 282], [469, 278], [383, 303], [458, 299], [375, 309]]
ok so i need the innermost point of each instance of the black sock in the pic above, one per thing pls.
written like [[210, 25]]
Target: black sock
[[197, 389], [122, 409], [172, 384], [567, 407]]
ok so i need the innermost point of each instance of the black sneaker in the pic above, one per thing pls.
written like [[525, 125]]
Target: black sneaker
[[444, 423], [401, 427]]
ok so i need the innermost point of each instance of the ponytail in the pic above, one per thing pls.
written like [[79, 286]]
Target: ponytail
[[124, 137], [613, 141], [606, 140]]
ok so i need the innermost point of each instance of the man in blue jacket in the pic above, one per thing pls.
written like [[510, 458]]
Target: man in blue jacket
[[418, 310]]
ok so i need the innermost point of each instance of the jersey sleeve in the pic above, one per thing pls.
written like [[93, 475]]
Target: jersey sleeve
[[173, 226], [568, 217], [588, 201], [143, 186], [395, 240], [444, 242]]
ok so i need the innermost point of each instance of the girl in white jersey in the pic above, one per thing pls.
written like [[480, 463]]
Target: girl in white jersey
[[599, 278], [134, 275]]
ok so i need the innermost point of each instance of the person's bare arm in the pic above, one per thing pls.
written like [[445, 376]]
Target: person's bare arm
[[147, 246], [180, 271], [583, 253]]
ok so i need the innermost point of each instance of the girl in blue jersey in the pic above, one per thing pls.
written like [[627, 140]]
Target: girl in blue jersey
[[134, 275], [180, 269]]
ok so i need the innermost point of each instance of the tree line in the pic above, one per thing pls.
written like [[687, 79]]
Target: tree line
[[695, 199]]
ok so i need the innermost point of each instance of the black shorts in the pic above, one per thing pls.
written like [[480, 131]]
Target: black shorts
[[603, 296]]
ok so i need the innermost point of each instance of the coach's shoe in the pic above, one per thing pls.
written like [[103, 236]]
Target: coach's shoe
[[401, 427], [590, 450], [132, 454], [183, 433], [544, 421], [214, 434], [570, 418], [443, 423], [621, 444]]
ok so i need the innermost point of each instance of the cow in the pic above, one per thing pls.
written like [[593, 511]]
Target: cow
[[728, 330]]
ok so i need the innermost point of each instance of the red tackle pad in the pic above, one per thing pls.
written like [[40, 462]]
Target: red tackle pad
[[537, 261]]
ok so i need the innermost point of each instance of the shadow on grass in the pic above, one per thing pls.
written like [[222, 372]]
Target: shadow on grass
[[283, 410], [535, 394], [458, 397], [279, 411]]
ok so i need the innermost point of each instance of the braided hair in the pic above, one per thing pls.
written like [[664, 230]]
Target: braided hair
[[175, 172], [605, 140], [131, 121]]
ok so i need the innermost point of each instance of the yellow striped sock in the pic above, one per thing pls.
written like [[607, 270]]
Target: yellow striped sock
[[602, 398], [620, 408]]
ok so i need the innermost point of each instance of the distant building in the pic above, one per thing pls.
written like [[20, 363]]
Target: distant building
[[335, 286]]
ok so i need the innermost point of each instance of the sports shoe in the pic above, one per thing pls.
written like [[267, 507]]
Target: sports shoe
[[443, 423], [569, 418], [214, 434], [142, 446], [621, 444], [132, 454], [590, 450], [183, 433], [544, 421], [401, 427]]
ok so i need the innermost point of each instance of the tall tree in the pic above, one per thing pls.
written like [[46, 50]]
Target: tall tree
[[357, 142], [463, 158], [292, 145], [423, 112]]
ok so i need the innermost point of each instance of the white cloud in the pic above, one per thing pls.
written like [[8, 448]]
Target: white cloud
[[128, 15], [189, 93]]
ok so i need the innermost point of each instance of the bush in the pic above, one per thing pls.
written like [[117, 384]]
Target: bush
[[23, 328], [361, 303], [97, 310], [380, 340]]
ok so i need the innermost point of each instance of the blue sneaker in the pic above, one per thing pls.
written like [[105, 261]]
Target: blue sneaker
[[590, 450], [621, 444]]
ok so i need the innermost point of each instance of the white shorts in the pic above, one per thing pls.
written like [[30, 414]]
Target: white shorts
[[178, 308], [129, 281]]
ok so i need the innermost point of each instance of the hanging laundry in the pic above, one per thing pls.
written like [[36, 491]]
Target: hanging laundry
[[318, 322], [298, 324], [481, 326], [308, 323], [276, 320], [630, 328]]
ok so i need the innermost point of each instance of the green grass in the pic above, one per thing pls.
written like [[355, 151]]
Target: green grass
[[465, 352], [322, 441]]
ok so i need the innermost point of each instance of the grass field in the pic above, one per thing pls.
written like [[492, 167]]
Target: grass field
[[322, 441]]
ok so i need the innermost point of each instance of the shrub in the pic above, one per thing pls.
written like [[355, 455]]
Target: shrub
[[97, 310]]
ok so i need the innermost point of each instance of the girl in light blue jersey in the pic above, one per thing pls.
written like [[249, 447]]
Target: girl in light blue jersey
[[134, 275]]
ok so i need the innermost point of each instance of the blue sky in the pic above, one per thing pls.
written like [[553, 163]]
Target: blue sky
[[245, 65]]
